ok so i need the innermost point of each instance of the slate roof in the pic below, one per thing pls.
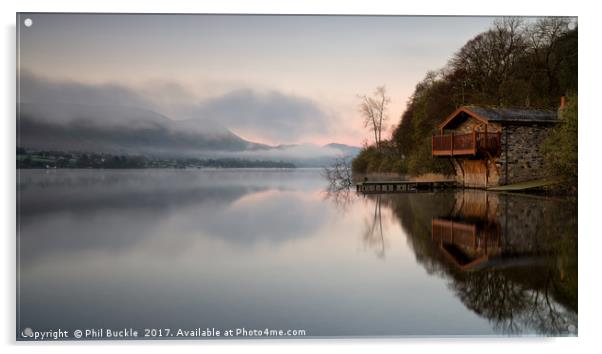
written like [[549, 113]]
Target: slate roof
[[502, 115], [517, 115]]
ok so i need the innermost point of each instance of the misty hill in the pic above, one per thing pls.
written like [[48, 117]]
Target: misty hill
[[346, 150], [303, 155], [120, 129], [117, 129]]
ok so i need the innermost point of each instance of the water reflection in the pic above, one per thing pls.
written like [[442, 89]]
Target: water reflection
[[509, 258], [341, 199], [271, 249], [373, 231], [63, 212]]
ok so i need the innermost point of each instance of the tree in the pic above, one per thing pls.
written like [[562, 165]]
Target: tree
[[489, 60], [374, 113], [339, 174], [546, 56], [513, 64], [560, 148]]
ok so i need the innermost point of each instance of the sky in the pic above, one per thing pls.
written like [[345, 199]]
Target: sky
[[270, 79]]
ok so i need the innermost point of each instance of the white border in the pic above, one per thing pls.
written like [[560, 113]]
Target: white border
[[589, 134]]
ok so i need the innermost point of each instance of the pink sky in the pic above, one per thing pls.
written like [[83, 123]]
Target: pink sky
[[313, 66]]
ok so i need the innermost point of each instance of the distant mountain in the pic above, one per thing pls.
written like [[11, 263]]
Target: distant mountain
[[120, 129], [131, 130], [346, 150], [306, 155], [328, 149]]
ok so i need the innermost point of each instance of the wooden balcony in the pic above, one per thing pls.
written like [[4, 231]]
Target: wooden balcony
[[475, 143]]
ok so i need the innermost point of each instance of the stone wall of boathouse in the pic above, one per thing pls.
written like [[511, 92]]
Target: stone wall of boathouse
[[521, 158]]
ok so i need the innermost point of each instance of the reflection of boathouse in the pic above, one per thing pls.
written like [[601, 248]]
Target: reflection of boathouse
[[471, 233], [511, 259], [494, 146], [466, 244], [480, 229]]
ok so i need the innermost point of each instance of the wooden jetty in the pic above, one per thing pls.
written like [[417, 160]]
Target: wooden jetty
[[402, 186]]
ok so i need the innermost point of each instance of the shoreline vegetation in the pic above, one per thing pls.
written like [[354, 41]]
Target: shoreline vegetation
[[27, 159], [513, 64]]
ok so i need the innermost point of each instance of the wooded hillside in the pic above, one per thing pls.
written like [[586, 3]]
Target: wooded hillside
[[513, 64]]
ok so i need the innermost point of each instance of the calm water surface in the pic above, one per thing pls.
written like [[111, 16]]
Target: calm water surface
[[260, 249]]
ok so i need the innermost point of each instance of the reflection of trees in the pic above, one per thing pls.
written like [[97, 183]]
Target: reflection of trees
[[340, 181], [516, 297], [373, 232], [512, 305], [342, 198], [490, 294]]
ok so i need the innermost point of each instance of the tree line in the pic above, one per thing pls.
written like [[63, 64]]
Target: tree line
[[59, 159], [515, 63]]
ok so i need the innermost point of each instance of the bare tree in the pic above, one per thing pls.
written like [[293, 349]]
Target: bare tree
[[488, 60], [543, 37], [374, 112], [339, 174]]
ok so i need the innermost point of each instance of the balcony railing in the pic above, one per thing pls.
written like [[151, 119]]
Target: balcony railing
[[466, 144]]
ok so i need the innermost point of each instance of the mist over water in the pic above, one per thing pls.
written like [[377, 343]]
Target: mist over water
[[271, 249]]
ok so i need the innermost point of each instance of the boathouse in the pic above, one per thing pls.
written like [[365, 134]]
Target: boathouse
[[494, 146]]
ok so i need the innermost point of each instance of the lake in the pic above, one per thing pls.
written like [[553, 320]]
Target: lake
[[256, 249]]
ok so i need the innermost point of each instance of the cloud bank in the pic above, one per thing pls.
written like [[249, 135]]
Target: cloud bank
[[270, 116]]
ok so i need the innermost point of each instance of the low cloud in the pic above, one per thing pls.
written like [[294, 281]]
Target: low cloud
[[271, 115], [40, 90]]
